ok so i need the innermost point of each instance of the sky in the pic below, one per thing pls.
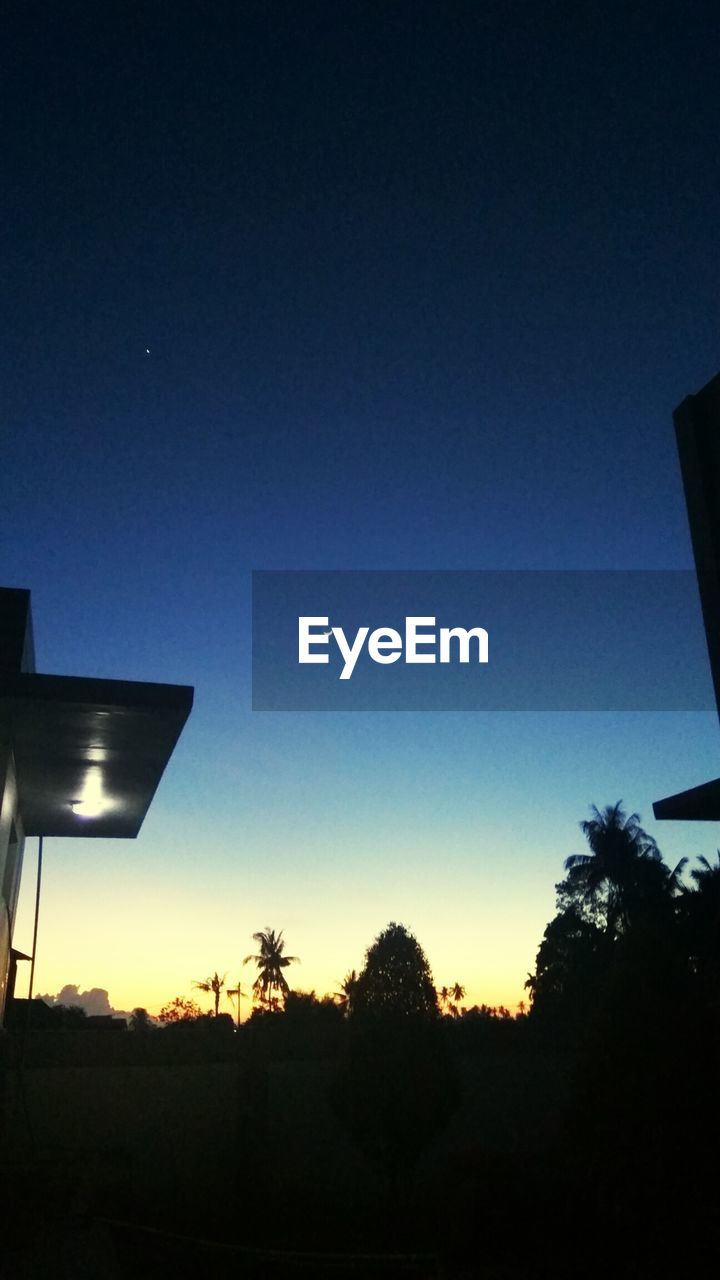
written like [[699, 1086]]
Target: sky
[[398, 285]]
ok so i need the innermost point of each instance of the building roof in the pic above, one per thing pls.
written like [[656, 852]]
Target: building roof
[[76, 739], [697, 430], [89, 753], [699, 804]]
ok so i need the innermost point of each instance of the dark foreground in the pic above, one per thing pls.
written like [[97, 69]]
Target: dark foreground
[[494, 1150]]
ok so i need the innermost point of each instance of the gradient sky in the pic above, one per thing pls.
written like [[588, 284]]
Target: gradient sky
[[349, 286]]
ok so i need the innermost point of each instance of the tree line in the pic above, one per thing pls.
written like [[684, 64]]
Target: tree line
[[584, 1117], [618, 905], [396, 977]]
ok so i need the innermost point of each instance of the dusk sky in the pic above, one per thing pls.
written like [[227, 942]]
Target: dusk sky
[[316, 285]]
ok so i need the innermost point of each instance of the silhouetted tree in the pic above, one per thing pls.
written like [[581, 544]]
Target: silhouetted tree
[[396, 978], [213, 986], [180, 1010], [270, 983], [140, 1021], [457, 993], [707, 877], [233, 994], [395, 1086], [304, 1007], [450, 997], [346, 995], [627, 968], [305, 1028], [69, 1016], [571, 961], [623, 874], [700, 916]]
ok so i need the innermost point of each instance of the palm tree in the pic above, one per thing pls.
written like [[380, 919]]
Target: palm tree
[[213, 986], [624, 870], [707, 878], [457, 993], [234, 993], [346, 993], [270, 962], [443, 996]]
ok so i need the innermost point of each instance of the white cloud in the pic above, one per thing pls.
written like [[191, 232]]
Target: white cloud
[[95, 1002]]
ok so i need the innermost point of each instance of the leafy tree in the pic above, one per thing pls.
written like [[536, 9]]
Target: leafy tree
[[140, 1021], [571, 961], [396, 978], [213, 986], [180, 1010], [304, 1007], [305, 1029], [616, 925], [270, 960], [298, 1004], [395, 1086], [69, 1015]]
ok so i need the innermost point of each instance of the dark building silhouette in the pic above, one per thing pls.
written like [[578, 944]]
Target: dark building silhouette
[[78, 757], [697, 430]]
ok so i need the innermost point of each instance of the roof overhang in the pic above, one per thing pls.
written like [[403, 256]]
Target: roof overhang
[[697, 431], [699, 804], [69, 733]]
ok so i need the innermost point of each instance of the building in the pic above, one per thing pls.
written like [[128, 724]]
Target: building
[[697, 431], [78, 757]]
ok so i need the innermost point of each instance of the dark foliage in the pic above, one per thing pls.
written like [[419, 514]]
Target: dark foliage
[[571, 964], [395, 1088], [396, 978]]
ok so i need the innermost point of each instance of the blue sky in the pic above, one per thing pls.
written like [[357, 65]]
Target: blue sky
[[355, 287]]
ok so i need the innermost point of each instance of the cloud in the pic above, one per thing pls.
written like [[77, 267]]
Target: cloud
[[95, 1002]]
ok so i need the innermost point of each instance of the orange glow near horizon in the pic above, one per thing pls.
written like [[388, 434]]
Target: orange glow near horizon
[[111, 938], [330, 853]]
